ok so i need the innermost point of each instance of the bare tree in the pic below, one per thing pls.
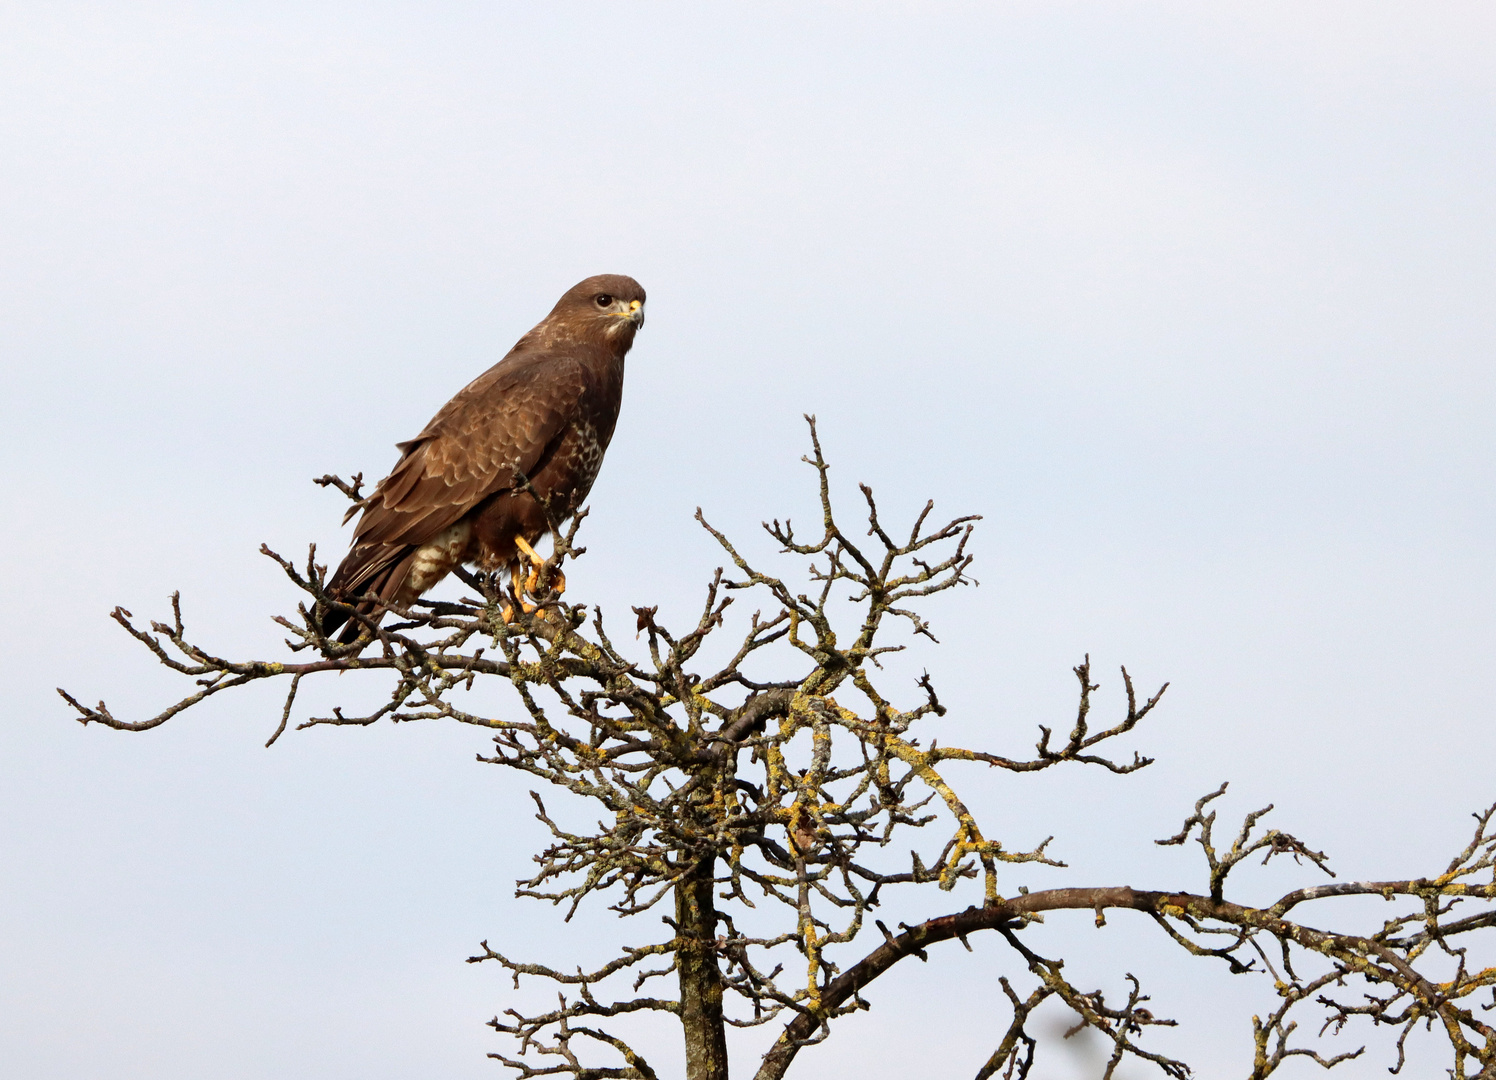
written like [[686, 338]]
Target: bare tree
[[752, 801]]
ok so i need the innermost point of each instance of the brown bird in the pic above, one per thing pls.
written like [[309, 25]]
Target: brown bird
[[545, 412]]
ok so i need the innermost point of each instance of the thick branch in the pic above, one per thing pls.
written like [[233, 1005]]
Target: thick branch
[[1358, 952]]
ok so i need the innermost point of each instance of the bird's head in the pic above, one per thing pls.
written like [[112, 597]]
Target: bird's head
[[609, 307]]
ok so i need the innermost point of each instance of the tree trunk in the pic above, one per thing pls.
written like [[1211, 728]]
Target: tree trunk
[[700, 978]]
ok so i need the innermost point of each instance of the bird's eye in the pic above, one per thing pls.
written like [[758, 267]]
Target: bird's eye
[[603, 300]]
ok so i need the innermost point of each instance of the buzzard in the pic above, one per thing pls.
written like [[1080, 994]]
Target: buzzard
[[457, 495]]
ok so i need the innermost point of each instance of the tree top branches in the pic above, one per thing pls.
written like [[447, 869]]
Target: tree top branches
[[757, 777]]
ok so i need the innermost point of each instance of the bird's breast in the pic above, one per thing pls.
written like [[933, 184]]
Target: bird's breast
[[586, 456]]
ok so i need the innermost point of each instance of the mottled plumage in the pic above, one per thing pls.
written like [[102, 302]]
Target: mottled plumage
[[547, 410]]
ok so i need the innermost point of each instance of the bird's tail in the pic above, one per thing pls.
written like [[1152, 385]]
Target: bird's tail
[[373, 570]]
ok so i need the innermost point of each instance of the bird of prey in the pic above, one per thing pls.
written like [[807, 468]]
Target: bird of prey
[[458, 494]]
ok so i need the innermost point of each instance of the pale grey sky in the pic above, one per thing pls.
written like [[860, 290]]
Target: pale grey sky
[[1192, 302]]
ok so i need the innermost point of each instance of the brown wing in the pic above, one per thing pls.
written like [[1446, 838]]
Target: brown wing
[[505, 419]]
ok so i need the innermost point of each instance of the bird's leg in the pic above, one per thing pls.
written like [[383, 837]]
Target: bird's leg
[[536, 562], [558, 579], [517, 588]]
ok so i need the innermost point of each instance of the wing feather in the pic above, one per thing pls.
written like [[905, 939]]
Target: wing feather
[[503, 420]]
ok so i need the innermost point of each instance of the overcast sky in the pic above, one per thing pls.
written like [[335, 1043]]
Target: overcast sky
[[1192, 302]]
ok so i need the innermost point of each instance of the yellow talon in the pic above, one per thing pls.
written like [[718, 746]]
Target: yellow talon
[[532, 582], [519, 595], [558, 582]]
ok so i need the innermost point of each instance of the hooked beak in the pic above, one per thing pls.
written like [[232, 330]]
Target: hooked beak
[[635, 313]]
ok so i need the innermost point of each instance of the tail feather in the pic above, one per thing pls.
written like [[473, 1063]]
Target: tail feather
[[377, 570]]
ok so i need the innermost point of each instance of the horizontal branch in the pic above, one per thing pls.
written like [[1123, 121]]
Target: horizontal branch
[[1010, 914]]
